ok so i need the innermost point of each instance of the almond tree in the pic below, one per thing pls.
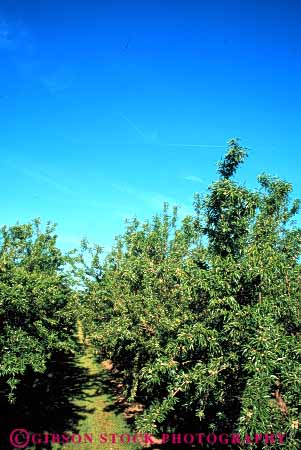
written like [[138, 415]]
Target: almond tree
[[37, 304], [202, 319]]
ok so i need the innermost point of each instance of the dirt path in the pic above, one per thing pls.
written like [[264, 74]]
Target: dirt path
[[100, 416]]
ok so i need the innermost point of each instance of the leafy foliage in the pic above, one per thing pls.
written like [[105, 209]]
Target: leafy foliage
[[202, 318], [37, 303]]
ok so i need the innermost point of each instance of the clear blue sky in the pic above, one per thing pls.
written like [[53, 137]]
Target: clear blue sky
[[109, 108]]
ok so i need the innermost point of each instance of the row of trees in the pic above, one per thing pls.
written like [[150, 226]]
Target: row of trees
[[37, 303], [202, 319]]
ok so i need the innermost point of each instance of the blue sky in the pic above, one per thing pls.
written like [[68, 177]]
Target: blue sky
[[108, 109]]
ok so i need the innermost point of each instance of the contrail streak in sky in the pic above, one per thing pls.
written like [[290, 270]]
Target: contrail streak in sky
[[162, 144], [133, 125], [194, 145]]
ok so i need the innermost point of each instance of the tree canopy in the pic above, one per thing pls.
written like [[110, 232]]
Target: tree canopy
[[202, 318], [37, 303]]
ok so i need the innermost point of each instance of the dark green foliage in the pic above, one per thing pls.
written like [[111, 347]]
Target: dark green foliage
[[203, 319], [37, 305]]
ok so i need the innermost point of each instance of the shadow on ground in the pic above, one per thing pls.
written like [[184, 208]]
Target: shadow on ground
[[52, 403], [112, 386], [49, 402], [182, 423]]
